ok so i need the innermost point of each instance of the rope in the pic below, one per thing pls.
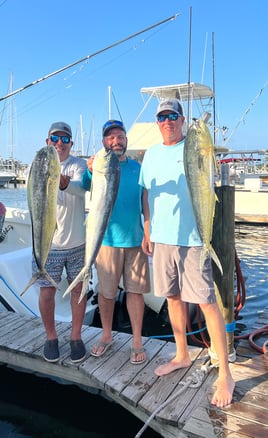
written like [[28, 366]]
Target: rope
[[193, 381]]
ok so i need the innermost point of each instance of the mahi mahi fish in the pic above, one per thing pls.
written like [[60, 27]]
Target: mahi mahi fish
[[200, 165], [104, 188], [42, 189]]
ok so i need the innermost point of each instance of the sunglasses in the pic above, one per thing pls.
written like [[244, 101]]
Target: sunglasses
[[64, 138], [171, 117]]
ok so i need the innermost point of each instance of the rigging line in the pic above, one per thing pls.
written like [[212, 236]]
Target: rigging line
[[117, 107], [204, 60], [246, 112], [173, 17], [3, 2]]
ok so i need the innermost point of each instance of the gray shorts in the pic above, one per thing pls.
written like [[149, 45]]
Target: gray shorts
[[72, 260], [130, 263], [177, 271]]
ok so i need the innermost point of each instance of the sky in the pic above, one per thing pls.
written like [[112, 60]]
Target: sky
[[222, 44]]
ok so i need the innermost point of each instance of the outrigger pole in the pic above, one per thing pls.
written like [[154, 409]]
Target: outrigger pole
[[19, 90]]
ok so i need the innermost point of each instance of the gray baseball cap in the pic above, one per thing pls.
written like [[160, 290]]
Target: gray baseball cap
[[173, 105], [60, 127]]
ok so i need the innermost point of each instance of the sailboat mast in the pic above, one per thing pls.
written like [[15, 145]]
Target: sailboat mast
[[81, 135], [109, 103], [213, 88], [189, 116], [11, 137]]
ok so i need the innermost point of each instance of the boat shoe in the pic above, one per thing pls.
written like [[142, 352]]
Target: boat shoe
[[78, 350], [51, 350]]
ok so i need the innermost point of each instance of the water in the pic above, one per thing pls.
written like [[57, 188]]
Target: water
[[32, 406], [251, 244], [14, 197]]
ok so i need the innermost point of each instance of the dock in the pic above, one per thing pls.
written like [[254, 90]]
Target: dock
[[177, 405]]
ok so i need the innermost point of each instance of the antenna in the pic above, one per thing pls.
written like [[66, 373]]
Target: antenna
[[189, 66]]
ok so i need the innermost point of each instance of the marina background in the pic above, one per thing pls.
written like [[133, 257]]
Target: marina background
[[43, 44], [24, 409]]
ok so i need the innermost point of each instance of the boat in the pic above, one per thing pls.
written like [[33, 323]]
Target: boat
[[5, 177], [248, 173], [6, 174], [248, 169], [16, 270]]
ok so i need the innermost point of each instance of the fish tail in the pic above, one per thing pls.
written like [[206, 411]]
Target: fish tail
[[48, 278], [37, 276], [83, 274], [215, 258], [204, 254], [30, 283], [84, 289]]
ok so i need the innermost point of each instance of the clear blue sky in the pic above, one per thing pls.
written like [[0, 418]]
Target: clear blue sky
[[40, 37]]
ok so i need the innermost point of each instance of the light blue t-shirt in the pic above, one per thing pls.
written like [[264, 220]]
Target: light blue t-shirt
[[125, 228], [171, 213]]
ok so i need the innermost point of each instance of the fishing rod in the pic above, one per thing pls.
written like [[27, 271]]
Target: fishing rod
[[117, 43]]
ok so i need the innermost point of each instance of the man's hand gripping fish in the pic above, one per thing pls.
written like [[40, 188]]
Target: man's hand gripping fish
[[104, 188]]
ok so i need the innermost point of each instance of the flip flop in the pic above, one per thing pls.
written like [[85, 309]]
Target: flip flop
[[135, 351], [103, 345]]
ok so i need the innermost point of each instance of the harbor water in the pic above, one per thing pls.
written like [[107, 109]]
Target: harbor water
[[34, 406]]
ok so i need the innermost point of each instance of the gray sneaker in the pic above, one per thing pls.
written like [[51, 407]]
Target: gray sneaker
[[78, 351], [51, 350]]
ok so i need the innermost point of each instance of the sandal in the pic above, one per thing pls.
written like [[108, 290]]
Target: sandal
[[103, 345], [134, 353]]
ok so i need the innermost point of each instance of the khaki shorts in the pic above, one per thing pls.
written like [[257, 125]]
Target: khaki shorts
[[130, 263], [177, 271]]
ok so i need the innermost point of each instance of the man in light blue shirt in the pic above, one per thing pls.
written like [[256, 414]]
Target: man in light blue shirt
[[171, 237]]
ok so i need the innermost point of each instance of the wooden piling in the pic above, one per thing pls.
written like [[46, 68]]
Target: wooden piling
[[223, 242]]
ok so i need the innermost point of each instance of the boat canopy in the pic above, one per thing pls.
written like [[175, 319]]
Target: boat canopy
[[188, 91], [143, 135]]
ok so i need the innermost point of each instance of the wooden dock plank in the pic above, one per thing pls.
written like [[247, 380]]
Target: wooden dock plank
[[209, 422], [9, 326], [146, 378], [187, 414], [119, 381], [184, 397], [166, 387]]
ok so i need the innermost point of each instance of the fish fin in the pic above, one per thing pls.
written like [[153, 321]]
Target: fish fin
[[37, 276], [84, 287], [48, 278], [80, 277], [205, 253], [30, 283], [215, 258]]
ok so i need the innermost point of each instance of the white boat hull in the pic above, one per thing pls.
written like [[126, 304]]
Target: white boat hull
[[251, 207], [16, 270]]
